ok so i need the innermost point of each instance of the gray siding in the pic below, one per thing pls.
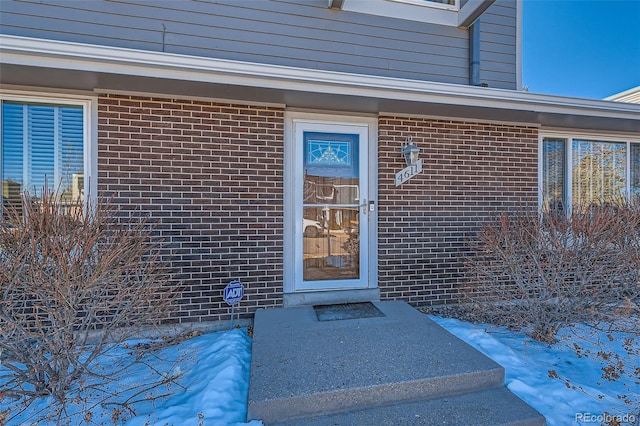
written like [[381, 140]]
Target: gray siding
[[498, 45], [301, 33]]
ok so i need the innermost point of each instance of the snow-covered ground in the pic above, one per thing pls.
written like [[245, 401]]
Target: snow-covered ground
[[527, 364], [215, 380], [216, 376]]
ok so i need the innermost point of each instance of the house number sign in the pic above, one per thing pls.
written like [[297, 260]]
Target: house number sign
[[408, 172]]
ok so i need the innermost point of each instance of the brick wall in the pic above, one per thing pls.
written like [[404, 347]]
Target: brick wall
[[210, 175], [470, 172]]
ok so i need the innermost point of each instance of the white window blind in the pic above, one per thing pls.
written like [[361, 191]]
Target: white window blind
[[578, 173], [599, 172]]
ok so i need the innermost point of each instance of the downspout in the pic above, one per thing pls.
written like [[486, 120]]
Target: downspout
[[474, 54]]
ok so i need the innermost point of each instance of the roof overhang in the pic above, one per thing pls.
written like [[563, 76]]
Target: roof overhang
[[75, 66], [472, 10], [632, 96]]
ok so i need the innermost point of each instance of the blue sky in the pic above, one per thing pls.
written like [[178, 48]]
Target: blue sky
[[581, 48]]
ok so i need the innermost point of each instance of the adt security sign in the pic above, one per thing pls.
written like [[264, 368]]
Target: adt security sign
[[233, 292]]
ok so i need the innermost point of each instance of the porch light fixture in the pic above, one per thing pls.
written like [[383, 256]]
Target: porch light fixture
[[410, 152]]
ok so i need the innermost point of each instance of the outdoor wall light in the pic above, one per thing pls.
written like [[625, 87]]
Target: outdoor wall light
[[410, 152]]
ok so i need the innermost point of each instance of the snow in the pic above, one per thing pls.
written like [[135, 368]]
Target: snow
[[527, 364], [216, 366], [217, 383], [212, 390]]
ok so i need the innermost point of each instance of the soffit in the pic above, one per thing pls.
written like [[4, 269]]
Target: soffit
[[72, 66]]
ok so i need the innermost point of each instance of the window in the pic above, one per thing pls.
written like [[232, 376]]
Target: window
[[635, 170], [553, 158], [581, 172], [42, 145], [448, 4], [440, 12]]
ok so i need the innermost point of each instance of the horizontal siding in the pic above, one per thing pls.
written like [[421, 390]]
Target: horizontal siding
[[282, 32], [498, 45]]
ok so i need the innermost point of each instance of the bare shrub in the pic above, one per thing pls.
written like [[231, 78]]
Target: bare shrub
[[73, 285], [547, 271], [542, 273]]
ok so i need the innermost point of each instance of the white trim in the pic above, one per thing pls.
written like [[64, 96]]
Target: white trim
[[335, 4], [26, 146], [540, 171], [302, 125], [471, 11], [292, 247], [84, 57], [90, 126], [519, 23], [628, 171], [431, 3], [38, 96], [405, 9], [91, 157], [46, 91], [568, 175], [57, 151], [631, 95], [589, 135]]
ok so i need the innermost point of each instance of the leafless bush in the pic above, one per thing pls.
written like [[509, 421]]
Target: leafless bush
[[547, 271], [72, 285]]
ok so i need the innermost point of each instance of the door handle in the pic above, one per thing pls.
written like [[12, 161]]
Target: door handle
[[364, 206], [370, 206]]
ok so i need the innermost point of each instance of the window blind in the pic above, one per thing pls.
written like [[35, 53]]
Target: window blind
[[41, 143]]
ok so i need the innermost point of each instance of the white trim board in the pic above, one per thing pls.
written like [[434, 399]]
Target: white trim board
[[104, 59], [127, 63]]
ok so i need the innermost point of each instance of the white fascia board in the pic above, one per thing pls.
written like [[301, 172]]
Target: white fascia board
[[472, 11], [405, 9], [631, 95], [105, 59]]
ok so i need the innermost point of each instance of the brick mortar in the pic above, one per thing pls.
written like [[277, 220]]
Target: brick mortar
[[471, 172], [210, 175]]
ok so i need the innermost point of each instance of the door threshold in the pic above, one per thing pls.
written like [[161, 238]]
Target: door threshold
[[331, 297]]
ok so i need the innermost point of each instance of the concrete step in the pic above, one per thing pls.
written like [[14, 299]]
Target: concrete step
[[490, 407], [304, 367]]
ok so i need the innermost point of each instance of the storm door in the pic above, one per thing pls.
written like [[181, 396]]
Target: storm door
[[331, 206]]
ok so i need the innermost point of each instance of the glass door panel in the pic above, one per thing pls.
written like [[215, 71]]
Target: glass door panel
[[331, 247], [333, 210]]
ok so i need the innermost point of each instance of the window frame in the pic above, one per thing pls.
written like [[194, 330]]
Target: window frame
[[569, 137], [413, 10], [89, 122], [431, 3]]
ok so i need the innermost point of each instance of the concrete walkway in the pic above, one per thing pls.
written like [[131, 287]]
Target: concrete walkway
[[363, 364]]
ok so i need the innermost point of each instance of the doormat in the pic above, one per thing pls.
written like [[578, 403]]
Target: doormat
[[347, 311]]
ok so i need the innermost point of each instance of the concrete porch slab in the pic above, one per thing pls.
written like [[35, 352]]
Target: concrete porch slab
[[303, 367]]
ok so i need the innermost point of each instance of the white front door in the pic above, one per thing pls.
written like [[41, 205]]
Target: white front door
[[331, 205]]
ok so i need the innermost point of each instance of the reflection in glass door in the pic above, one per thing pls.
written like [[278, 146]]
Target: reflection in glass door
[[333, 209]]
